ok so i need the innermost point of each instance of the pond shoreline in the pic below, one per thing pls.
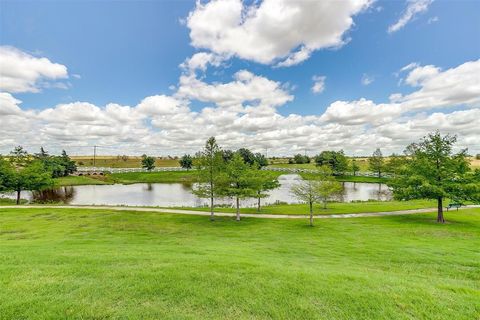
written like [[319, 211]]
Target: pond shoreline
[[174, 177]]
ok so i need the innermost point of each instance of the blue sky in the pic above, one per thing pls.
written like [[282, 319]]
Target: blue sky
[[124, 51]]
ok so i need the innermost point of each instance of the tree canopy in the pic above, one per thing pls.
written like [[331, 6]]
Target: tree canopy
[[336, 160], [433, 171], [30, 176], [186, 161], [148, 162], [238, 181]]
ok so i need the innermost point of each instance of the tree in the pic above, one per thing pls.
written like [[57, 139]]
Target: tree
[[31, 176], [395, 164], [317, 190], [42, 154], [433, 171], [300, 159], [227, 155], [148, 162], [6, 175], [210, 164], [19, 156], [307, 191], [238, 181], [354, 167], [59, 166], [247, 155], [186, 162], [264, 182], [261, 160], [68, 164], [376, 163], [336, 160], [329, 187]]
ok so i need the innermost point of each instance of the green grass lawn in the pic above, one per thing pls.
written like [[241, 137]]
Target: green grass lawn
[[98, 264], [81, 180], [8, 201], [152, 177], [332, 208]]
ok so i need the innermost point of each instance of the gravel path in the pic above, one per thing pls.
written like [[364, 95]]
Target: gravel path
[[249, 215]]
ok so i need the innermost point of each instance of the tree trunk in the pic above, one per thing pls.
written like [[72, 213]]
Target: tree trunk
[[324, 204], [212, 218], [18, 196], [440, 210], [311, 214], [258, 204], [238, 209]]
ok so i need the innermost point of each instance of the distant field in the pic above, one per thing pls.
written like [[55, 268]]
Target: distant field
[[283, 163], [475, 163], [118, 162]]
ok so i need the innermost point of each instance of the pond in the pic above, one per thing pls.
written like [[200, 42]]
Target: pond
[[178, 194]]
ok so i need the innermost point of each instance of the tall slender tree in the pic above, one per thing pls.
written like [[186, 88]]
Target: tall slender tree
[[376, 162], [210, 164], [354, 167]]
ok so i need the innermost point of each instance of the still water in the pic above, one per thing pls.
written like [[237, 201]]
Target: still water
[[178, 194]]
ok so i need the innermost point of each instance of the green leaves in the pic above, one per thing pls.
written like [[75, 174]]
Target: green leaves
[[186, 161], [148, 162], [376, 162], [336, 160], [431, 170]]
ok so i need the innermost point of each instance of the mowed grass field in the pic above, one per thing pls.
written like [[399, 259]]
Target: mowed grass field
[[332, 207], [98, 264], [118, 162]]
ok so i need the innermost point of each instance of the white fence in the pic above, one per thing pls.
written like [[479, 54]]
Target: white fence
[[163, 169], [121, 170]]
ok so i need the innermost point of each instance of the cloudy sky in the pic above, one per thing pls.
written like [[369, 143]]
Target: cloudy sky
[[160, 77]]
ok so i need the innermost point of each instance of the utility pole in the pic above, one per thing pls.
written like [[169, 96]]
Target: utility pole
[[94, 154]]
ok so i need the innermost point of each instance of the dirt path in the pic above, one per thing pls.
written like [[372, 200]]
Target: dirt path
[[245, 215]]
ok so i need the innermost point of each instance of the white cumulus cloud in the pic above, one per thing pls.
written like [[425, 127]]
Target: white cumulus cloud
[[272, 30], [22, 72]]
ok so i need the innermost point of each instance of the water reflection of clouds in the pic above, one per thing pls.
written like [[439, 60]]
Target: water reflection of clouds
[[179, 194]]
